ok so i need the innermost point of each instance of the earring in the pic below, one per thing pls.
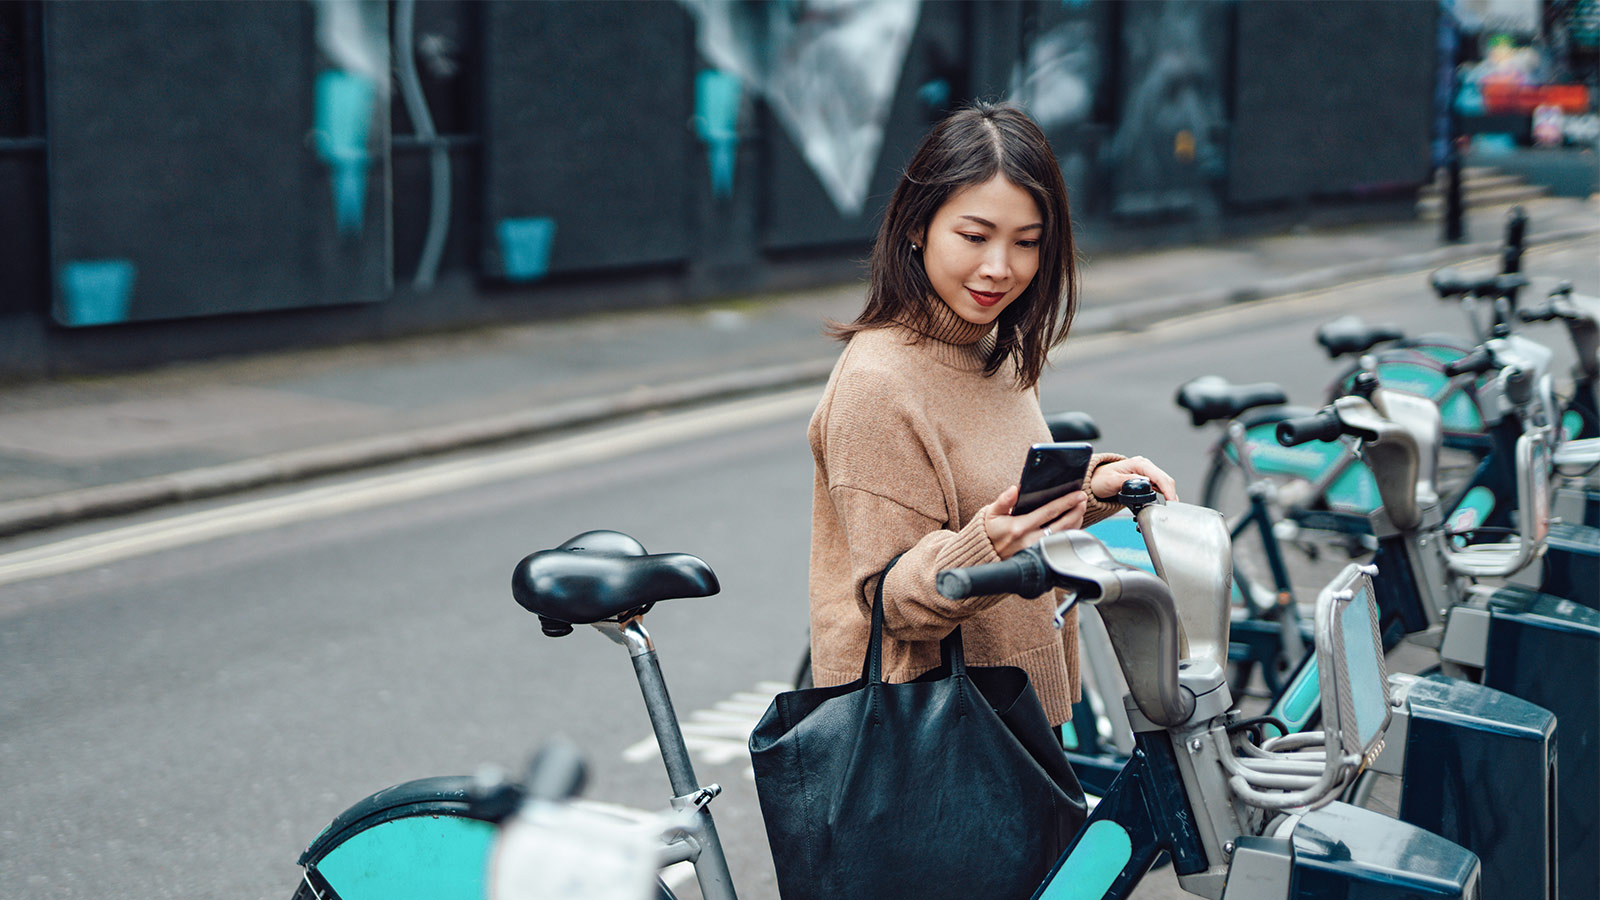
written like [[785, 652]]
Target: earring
[[915, 248]]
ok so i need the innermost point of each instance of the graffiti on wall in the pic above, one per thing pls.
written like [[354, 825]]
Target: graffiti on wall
[[1168, 146], [353, 37], [1058, 81], [1059, 75], [827, 68]]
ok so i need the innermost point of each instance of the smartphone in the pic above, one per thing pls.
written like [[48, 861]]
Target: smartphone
[[1051, 471]]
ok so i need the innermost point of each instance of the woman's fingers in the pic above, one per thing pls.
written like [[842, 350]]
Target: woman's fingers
[[1008, 534], [1073, 517], [1007, 500], [1108, 478], [1057, 510]]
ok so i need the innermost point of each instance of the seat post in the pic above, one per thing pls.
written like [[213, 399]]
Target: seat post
[[711, 868], [631, 633]]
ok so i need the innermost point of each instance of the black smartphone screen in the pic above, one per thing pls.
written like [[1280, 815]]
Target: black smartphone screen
[[1050, 471]]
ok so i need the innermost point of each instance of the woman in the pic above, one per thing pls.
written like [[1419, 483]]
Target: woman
[[933, 405]]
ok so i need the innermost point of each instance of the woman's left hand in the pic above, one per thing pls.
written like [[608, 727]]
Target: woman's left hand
[[1108, 477]]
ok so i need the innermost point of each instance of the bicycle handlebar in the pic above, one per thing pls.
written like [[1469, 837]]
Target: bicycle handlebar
[[1477, 362], [1137, 607], [1320, 426], [1449, 284], [1024, 573], [1546, 313]]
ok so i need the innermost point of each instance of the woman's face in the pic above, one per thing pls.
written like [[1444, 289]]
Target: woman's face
[[981, 250]]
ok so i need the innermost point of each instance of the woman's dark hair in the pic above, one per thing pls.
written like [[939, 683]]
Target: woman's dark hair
[[969, 148]]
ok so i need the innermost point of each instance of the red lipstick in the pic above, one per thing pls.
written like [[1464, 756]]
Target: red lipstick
[[984, 298]]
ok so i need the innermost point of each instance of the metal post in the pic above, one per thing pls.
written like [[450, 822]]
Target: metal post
[[1454, 227]]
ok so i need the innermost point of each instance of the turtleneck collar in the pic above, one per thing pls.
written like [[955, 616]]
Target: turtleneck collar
[[950, 338], [943, 325]]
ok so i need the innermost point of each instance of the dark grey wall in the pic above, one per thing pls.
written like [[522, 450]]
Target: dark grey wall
[[1353, 62], [177, 138], [589, 108], [24, 249], [178, 142]]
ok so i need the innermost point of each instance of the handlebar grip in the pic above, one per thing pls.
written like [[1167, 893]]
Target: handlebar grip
[[1322, 426], [1479, 360], [557, 771], [1022, 574], [1519, 387], [1550, 312]]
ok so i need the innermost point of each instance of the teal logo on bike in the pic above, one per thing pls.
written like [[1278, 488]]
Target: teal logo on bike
[[1457, 412], [1352, 490]]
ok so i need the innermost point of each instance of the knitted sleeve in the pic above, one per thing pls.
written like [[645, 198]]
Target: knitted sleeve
[[1098, 509], [877, 528], [887, 500]]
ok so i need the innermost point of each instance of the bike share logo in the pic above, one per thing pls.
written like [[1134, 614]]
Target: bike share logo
[[1303, 460]]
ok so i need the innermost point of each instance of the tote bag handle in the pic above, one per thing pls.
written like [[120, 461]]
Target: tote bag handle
[[951, 651]]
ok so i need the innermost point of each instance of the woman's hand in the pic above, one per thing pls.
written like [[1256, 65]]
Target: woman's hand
[[1108, 477], [1010, 533]]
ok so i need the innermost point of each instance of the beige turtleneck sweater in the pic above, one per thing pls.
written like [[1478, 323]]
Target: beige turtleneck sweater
[[911, 442]]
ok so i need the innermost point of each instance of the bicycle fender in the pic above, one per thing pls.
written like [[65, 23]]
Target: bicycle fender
[[417, 839]]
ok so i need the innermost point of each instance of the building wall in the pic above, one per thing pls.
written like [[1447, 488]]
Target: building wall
[[220, 176]]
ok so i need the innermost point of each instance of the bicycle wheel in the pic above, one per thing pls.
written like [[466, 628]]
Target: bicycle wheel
[[1314, 538], [1416, 367]]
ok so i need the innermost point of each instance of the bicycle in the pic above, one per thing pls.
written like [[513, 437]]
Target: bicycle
[[1457, 732], [1535, 646], [1203, 786], [1294, 508]]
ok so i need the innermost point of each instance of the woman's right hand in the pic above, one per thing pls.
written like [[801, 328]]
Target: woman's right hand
[[1010, 533]]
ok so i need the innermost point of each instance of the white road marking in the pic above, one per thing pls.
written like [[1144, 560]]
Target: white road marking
[[719, 735], [131, 541]]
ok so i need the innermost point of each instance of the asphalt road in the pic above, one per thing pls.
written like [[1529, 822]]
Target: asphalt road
[[178, 718]]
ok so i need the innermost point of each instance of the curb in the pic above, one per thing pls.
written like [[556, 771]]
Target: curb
[[36, 513], [1316, 279]]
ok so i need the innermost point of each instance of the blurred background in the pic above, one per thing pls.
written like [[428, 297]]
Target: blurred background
[[190, 179], [315, 317]]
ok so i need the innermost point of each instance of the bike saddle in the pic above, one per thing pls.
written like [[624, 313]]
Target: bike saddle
[[1072, 426], [1349, 335], [600, 575], [1448, 283], [1209, 397]]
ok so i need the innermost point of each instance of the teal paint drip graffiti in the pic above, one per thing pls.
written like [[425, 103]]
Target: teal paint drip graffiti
[[345, 102], [96, 291], [717, 97], [525, 247], [935, 94]]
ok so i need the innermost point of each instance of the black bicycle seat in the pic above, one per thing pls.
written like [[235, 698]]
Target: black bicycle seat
[[1350, 335], [600, 575], [1072, 426], [1449, 283], [1209, 398]]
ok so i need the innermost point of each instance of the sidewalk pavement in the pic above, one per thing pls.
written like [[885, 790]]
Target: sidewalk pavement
[[79, 448]]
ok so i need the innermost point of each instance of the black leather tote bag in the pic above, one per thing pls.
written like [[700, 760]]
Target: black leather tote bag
[[950, 786]]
